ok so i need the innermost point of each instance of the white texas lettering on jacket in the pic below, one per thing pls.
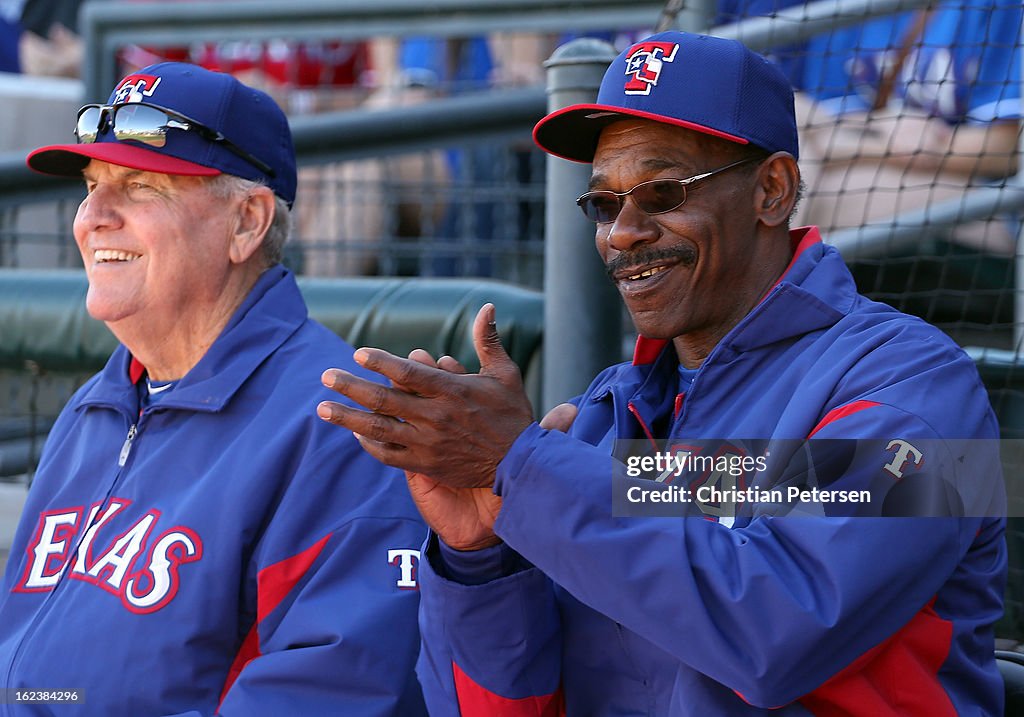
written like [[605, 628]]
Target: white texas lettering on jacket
[[142, 589]]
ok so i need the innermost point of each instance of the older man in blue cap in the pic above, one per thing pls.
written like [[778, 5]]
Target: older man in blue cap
[[196, 541], [777, 581]]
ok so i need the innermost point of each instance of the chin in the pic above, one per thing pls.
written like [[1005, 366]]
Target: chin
[[657, 329], [104, 308]]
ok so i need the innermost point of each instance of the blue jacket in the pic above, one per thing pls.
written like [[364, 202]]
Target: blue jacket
[[594, 614], [225, 547]]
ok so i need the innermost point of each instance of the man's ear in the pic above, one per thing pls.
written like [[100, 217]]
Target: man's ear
[[777, 184], [255, 214]]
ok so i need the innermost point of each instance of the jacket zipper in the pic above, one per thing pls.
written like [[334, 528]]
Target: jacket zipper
[[126, 447]]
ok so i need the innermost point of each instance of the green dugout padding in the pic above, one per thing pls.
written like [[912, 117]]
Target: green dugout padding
[[43, 317]]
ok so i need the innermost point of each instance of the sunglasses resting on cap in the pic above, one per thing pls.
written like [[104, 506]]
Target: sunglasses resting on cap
[[181, 119], [149, 124]]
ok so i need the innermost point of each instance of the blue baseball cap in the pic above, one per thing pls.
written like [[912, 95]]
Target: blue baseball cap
[[242, 132], [707, 84]]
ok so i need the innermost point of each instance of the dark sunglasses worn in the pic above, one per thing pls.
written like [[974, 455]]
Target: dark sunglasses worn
[[656, 196], [149, 124]]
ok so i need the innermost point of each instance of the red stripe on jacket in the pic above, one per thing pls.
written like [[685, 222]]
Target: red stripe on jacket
[[477, 701], [836, 413], [897, 678], [273, 584]]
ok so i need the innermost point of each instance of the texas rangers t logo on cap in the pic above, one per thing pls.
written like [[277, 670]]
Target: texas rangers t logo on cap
[[135, 88], [644, 63]]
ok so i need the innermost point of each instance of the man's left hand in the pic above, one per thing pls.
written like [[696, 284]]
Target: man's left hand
[[453, 428]]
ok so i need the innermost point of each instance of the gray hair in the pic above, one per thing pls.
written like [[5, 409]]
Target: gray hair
[[228, 185]]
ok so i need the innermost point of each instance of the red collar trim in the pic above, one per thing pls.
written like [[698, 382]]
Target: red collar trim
[[647, 350], [135, 370]]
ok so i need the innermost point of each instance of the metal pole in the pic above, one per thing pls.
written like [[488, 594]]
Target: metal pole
[[582, 310]]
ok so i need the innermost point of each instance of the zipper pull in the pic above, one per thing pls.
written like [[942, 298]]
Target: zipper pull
[[127, 447]]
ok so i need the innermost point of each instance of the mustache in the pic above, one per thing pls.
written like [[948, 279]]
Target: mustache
[[685, 255]]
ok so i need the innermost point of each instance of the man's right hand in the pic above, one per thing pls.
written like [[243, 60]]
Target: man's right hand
[[464, 517]]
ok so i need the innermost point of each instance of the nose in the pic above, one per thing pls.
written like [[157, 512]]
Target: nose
[[98, 211], [630, 228]]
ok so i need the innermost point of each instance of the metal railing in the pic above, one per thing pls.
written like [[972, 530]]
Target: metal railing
[[109, 26]]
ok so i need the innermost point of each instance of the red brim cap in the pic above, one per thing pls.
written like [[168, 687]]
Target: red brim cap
[[698, 82], [68, 160], [572, 132]]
